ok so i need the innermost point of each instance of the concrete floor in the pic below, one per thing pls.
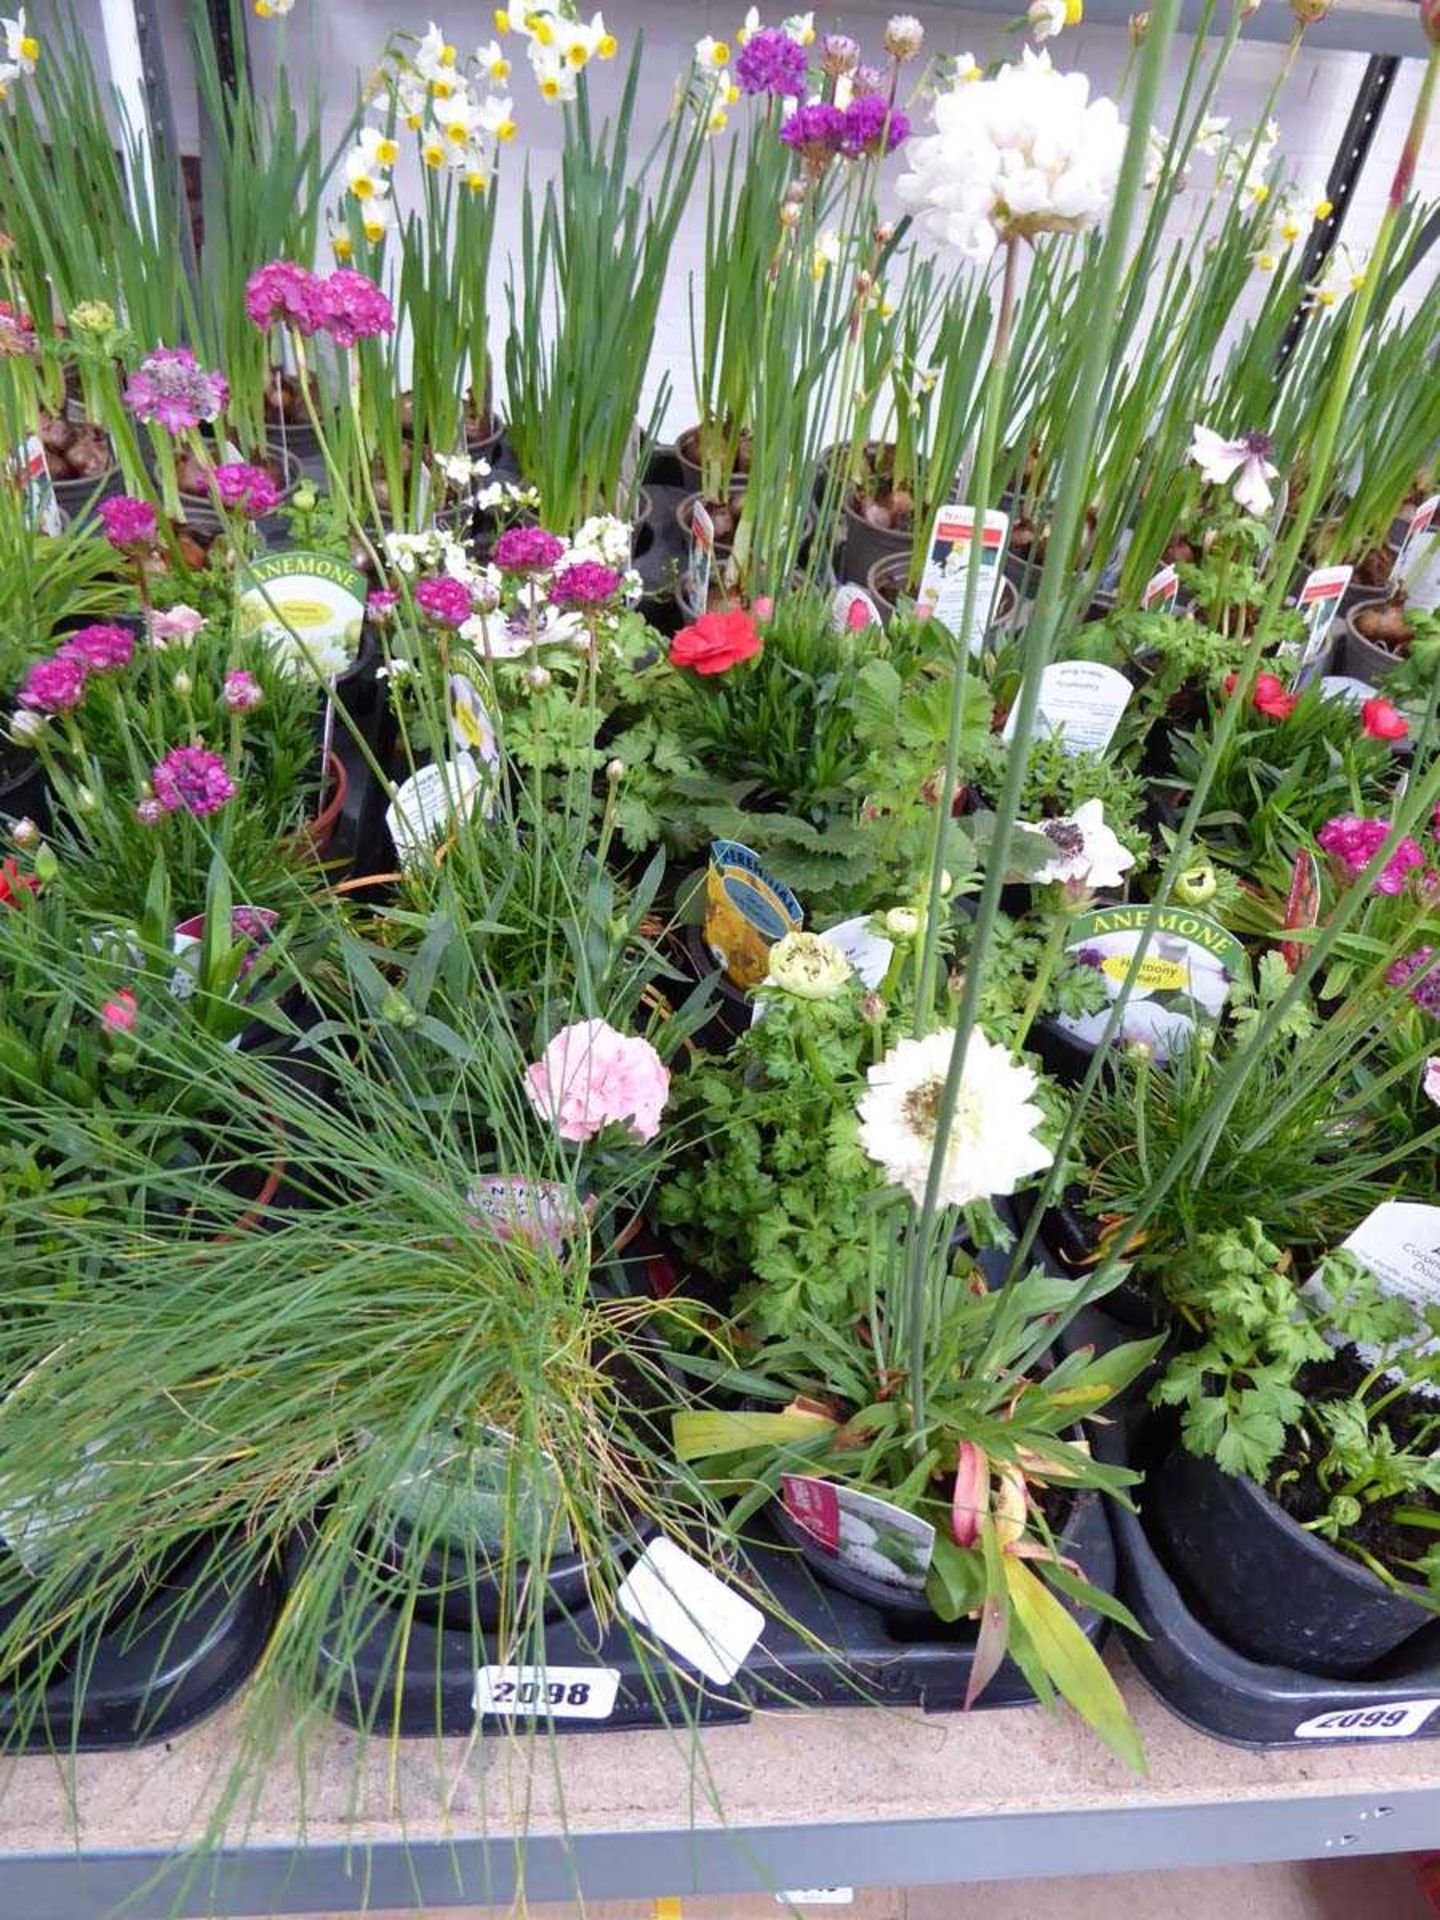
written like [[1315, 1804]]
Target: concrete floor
[[1364, 1889]]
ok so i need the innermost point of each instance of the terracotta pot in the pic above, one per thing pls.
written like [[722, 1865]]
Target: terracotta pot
[[315, 836]]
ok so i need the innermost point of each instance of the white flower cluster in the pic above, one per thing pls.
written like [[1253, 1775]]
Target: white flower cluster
[[1246, 170], [1023, 153], [558, 44]]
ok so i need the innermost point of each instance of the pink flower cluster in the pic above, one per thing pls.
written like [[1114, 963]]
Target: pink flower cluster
[[171, 388], [243, 692], [527, 550], [127, 523], [245, 489], [590, 1076], [588, 583], [100, 649], [344, 304], [445, 599], [1354, 842], [193, 779], [56, 685]]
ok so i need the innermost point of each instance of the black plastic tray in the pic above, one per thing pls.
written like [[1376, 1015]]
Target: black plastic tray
[[863, 1658], [1206, 1683], [173, 1658]]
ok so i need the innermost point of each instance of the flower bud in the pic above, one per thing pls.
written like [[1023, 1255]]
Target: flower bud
[[304, 498], [1197, 886], [1430, 20], [903, 37], [1307, 12], [838, 54], [183, 685], [789, 214], [47, 867], [872, 1009], [615, 772], [884, 234], [26, 727], [24, 832], [1139, 28], [795, 193], [537, 678], [149, 811], [85, 801], [396, 1009], [902, 924]]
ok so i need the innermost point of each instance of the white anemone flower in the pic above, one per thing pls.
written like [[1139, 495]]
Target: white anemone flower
[[991, 1145], [1242, 465], [1026, 152], [1085, 854]]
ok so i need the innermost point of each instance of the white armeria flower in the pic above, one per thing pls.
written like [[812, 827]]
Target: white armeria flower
[[1023, 153], [1085, 855], [1243, 465], [991, 1145]]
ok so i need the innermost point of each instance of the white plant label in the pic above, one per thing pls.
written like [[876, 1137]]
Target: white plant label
[[943, 586], [1161, 592], [1417, 565], [1344, 686], [426, 803], [702, 553], [547, 1693], [470, 724], [852, 609], [864, 1532], [1319, 602], [42, 509], [308, 608], [697, 1616], [1397, 1722], [816, 1897], [1082, 701], [1400, 1244]]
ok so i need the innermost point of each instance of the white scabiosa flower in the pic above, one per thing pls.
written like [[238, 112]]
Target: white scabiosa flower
[[991, 1146], [1023, 153]]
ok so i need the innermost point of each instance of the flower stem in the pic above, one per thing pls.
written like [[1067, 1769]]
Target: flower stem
[[1044, 974]]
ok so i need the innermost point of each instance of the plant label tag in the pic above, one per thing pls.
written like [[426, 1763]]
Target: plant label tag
[[1319, 602], [943, 584], [470, 724], [816, 1897], [1183, 982], [696, 1615], [1161, 591], [308, 608], [702, 553], [1397, 1722], [852, 609], [869, 1534], [1344, 686], [746, 911], [1082, 701], [538, 1211], [1419, 544], [37, 490], [1400, 1244], [31, 1527], [547, 1693], [425, 805]]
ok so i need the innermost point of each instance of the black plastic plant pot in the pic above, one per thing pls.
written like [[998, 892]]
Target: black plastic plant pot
[[1270, 1589], [1358, 657], [459, 1589], [733, 1010], [885, 583], [866, 545], [24, 789]]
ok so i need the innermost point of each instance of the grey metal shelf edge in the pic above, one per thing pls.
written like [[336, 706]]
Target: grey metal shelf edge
[[1354, 26]]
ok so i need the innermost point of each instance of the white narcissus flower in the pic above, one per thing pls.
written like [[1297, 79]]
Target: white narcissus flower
[[1212, 128], [1046, 18], [749, 26], [377, 218], [376, 149], [991, 1145], [800, 27], [491, 61], [1026, 152], [435, 61], [1243, 465], [22, 50], [363, 176], [967, 68], [711, 54], [1087, 855], [1343, 275]]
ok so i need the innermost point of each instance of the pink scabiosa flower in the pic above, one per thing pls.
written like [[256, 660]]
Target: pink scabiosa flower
[[56, 685], [355, 308], [444, 599], [171, 388], [118, 1016], [100, 649], [771, 62], [243, 692], [241, 488], [177, 626], [1353, 844], [127, 523], [872, 127], [588, 583], [283, 294], [194, 779], [527, 550], [590, 1076]]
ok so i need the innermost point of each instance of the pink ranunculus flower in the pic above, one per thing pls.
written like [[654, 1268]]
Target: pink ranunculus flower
[[176, 627], [590, 1076]]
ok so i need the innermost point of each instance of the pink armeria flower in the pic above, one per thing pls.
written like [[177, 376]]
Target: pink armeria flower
[[588, 583], [381, 603], [128, 523], [117, 1016], [245, 489], [243, 692], [56, 685], [590, 1076], [171, 388], [445, 599], [527, 550], [283, 294], [193, 779], [149, 812], [1354, 842], [356, 309], [101, 649], [177, 627]]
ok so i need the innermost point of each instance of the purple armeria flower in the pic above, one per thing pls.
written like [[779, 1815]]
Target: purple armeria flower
[[771, 62], [1355, 842], [527, 550], [127, 522], [192, 778], [245, 489], [100, 649], [382, 603], [149, 812], [586, 584], [56, 685], [815, 133], [866, 81], [171, 388], [355, 308], [287, 295], [445, 599], [1425, 993], [873, 127], [243, 692]]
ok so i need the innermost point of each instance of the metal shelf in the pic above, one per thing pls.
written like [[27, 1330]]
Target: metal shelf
[[1354, 26], [864, 1798]]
